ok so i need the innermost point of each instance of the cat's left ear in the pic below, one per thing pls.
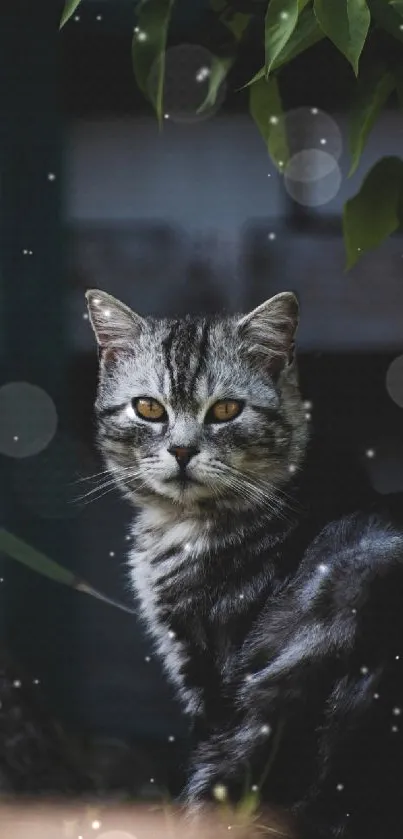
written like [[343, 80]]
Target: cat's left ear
[[269, 331], [115, 325]]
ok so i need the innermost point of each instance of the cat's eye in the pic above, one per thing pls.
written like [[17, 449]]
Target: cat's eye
[[224, 410], [149, 409]]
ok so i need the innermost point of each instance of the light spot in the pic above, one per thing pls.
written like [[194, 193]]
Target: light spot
[[364, 671], [394, 729], [273, 120], [323, 141], [187, 547], [17, 683], [202, 74], [284, 15], [111, 553], [353, 611], [340, 787], [397, 657], [171, 738], [272, 236], [241, 596], [396, 712], [370, 453], [324, 569], [147, 659], [51, 176], [166, 116], [36, 682], [98, 17], [308, 416], [254, 788], [171, 634], [281, 163], [307, 405], [141, 36], [76, 18], [376, 695], [85, 316], [292, 468], [220, 792], [107, 313], [152, 780], [314, 111], [95, 824], [265, 729]]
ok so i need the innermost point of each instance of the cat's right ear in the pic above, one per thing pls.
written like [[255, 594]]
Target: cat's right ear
[[114, 324]]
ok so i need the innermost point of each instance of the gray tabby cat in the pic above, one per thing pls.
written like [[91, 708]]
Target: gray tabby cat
[[264, 614]]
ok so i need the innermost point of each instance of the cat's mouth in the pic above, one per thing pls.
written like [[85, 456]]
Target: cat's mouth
[[182, 479]]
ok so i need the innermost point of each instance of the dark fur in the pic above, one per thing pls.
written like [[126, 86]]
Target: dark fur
[[289, 622]]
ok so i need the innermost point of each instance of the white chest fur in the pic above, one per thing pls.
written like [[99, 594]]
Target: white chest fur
[[164, 545]]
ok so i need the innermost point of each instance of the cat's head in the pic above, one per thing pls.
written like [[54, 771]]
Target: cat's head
[[199, 412]]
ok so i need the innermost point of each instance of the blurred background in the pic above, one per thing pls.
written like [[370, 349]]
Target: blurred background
[[193, 218]]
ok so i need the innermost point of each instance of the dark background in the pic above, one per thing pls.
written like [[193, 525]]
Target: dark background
[[169, 222]]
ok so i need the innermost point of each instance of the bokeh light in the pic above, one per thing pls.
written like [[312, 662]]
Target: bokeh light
[[312, 177], [394, 380], [308, 128], [186, 83], [28, 419]]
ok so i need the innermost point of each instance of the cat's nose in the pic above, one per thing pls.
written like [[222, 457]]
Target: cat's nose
[[183, 454]]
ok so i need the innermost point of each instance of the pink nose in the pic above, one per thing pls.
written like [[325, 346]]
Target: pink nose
[[183, 454]]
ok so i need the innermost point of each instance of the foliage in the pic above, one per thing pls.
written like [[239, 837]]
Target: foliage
[[287, 29]]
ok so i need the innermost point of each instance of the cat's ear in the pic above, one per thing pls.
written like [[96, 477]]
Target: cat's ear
[[269, 331], [115, 325]]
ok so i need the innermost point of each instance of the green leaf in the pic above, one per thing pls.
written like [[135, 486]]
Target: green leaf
[[280, 22], [267, 111], [236, 22], [16, 548], [148, 49], [219, 69], [388, 16], [373, 214], [372, 94], [69, 8], [306, 34], [398, 5], [346, 23]]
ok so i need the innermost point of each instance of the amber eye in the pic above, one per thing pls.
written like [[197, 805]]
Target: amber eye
[[149, 409], [224, 410]]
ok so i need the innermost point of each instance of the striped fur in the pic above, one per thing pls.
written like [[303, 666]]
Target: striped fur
[[276, 627]]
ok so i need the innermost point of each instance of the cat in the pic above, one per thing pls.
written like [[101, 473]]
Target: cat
[[277, 611]]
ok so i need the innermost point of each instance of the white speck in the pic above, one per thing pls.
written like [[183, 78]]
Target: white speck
[[85, 316], [51, 176], [220, 792], [96, 301], [314, 111], [171, 738], [248, 677], [359, 250], [272, 236], [397, 657], [347, 815], [229, 827], [141, 36], [265, 729], [394, 729], [152, 781], [281, 163], [308, 416], [16, 438], [396, 712], [401, 26], [284, 15], [171, 634], [370, 453], [98, 17], [202, 74], [254, 788], [353, 611], [340, 787], [137, 29], [324, 569], [96, 824], [273, 120], [166, 116], [1, 579], [269, 174], [292, 468], [127, 538], [364, 671], [107, 313], [376, 695], [241, 596], [111, 553], [187, 547], [17, 683], [76, 18], [36, 681], [307, 405], [323, 141], [147, 659]]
